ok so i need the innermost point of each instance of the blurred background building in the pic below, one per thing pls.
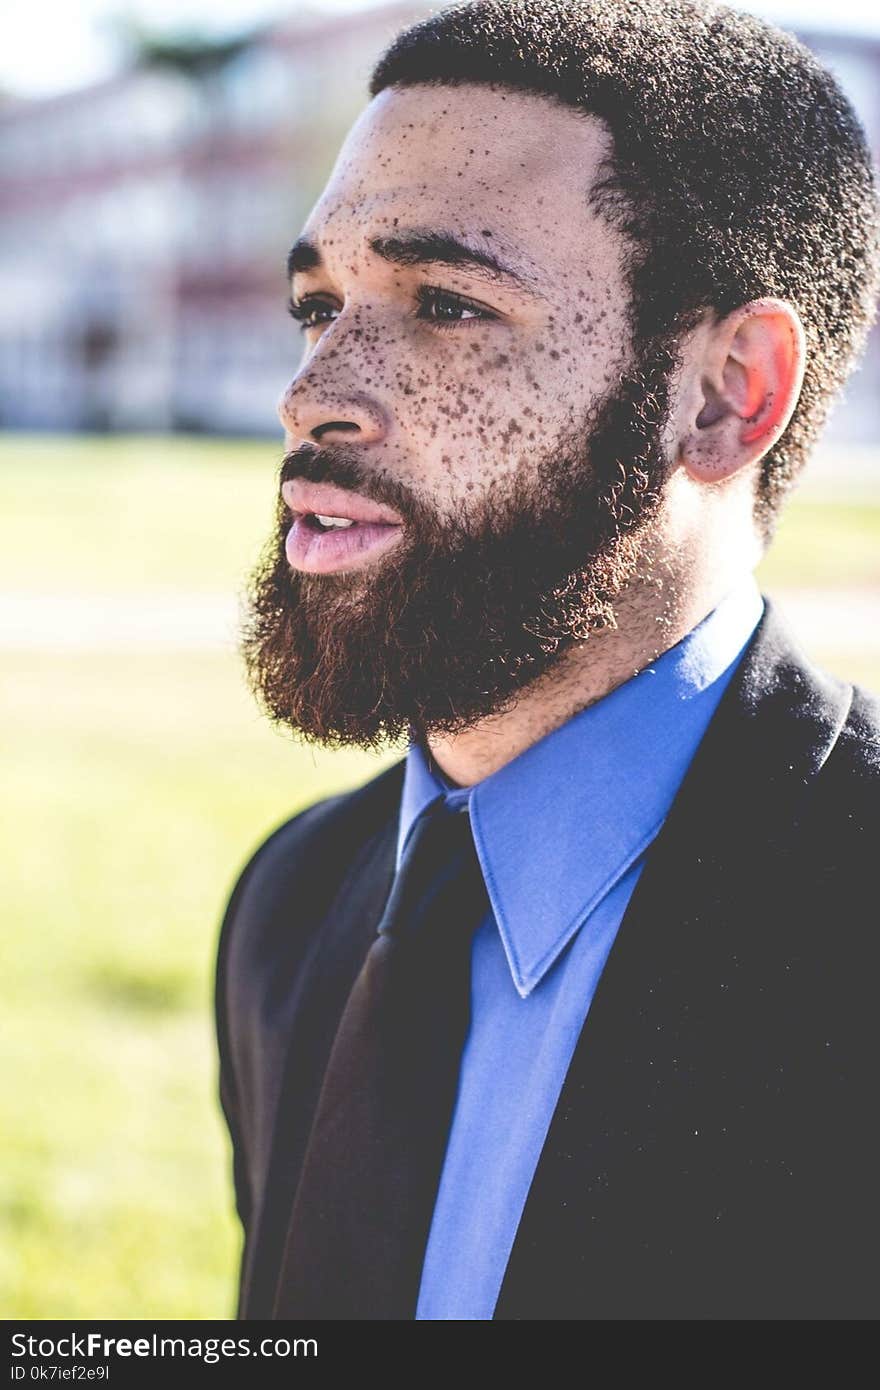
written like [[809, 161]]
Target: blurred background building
[[146, 219]]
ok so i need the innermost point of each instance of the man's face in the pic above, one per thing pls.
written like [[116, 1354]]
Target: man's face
[[469, 369]]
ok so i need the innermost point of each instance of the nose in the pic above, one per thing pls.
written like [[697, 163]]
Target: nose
[[313, 410]]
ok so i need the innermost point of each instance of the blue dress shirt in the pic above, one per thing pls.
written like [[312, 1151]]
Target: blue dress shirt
[[561, 833]]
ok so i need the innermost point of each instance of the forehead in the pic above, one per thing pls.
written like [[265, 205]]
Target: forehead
[[515, 165]]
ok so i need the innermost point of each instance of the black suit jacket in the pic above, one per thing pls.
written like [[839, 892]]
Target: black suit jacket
[[713, 1153]]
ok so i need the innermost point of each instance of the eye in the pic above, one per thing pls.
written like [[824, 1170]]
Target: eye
[[447, 310], [308, 311], [439, 307]]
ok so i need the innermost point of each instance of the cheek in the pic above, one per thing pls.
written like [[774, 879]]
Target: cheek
[[474, 411], [472, 399], [469, 409], [586, 345]]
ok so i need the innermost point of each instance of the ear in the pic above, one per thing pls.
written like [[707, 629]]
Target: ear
[[745, 386]]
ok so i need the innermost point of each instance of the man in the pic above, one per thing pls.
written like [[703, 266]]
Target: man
[[576, 299]]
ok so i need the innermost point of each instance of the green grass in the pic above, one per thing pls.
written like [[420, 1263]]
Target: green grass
[[133, 515], [136, 785], [139, 783], [825, 545]]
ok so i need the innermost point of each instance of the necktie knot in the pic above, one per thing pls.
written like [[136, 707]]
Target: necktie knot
[[439, 871]]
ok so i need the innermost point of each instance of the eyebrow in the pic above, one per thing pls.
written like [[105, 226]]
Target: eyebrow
[[422, 246]]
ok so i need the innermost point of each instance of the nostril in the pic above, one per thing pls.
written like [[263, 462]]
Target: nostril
[[344, 425]]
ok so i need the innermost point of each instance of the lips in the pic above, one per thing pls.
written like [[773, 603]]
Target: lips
[[313, 550], [320, 499]]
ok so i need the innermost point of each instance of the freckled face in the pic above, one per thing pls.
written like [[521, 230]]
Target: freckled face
[[468, 363], [451, 378]]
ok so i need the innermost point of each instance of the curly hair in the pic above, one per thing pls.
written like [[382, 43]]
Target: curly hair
[[739, 168]]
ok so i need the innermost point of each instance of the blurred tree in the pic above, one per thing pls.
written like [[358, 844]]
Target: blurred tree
[[191, 54]]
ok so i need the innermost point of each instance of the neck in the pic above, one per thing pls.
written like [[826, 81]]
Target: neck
[[648, 624]]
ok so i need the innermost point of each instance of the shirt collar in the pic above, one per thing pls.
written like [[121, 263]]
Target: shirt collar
[[559, 825]]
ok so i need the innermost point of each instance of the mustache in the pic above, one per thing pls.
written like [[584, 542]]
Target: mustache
[[345, 468], [315, 465], [337, 466]]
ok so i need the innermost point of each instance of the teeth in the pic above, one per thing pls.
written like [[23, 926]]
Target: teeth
[[334, 520]]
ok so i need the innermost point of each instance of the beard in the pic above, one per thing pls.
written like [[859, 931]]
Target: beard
[[462, 613]]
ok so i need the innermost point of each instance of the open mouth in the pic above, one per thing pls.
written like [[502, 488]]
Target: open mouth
[[331, 523], [316, 522], [323, 523], [318, 544]]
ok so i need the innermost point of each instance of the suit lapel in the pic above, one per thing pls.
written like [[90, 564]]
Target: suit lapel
[[617, 1211]]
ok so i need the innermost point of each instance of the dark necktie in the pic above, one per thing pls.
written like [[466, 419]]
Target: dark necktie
[[363, 1206]]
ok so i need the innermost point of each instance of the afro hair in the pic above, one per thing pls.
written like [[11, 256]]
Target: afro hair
[[739, 168]]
